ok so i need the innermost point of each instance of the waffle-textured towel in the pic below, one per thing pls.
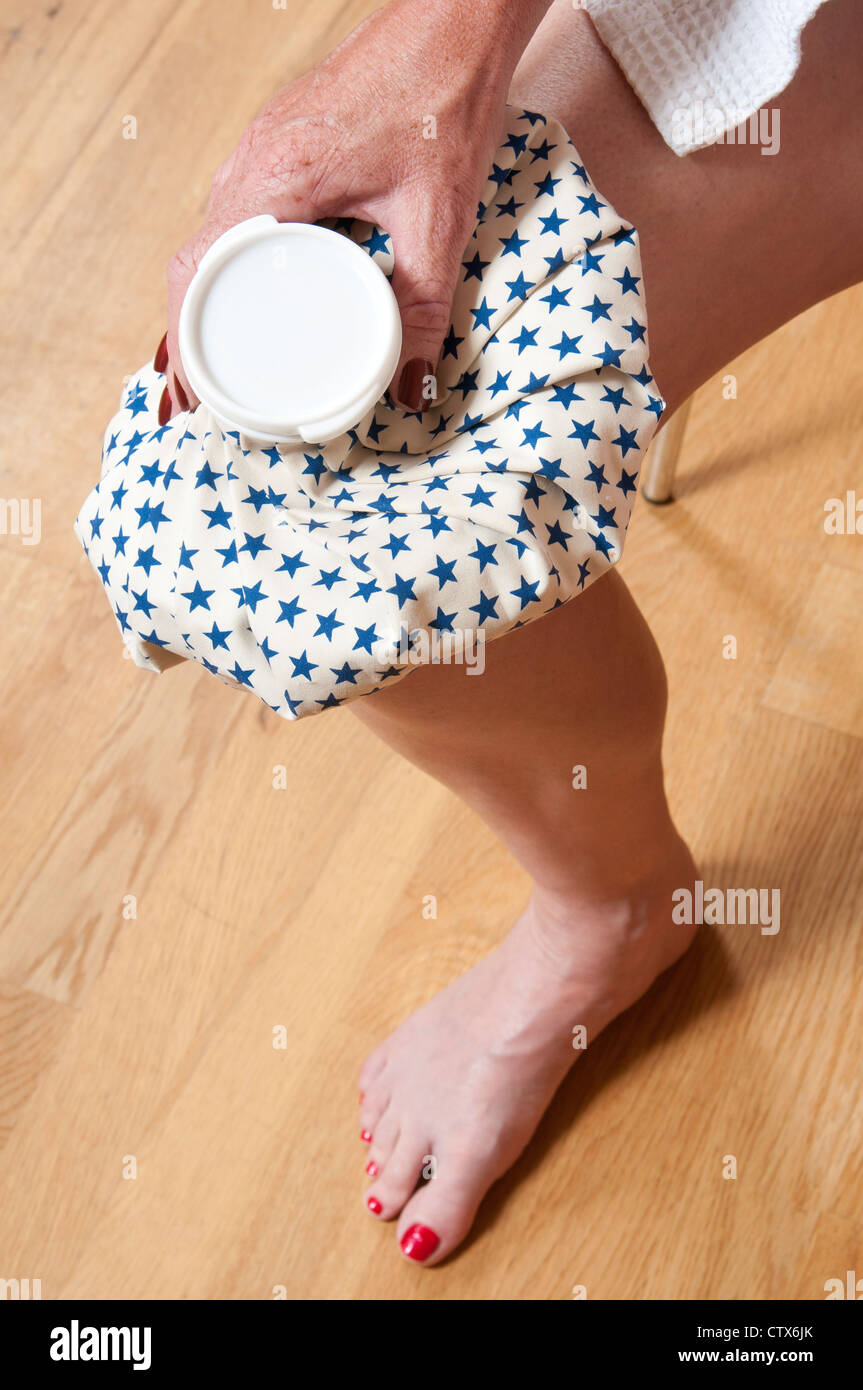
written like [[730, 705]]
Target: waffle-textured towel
[[701, 67], [313, 575]]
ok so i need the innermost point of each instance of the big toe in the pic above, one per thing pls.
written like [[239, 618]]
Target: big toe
[[439, 1216]]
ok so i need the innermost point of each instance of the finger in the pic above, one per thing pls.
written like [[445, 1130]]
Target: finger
[[428, 245]]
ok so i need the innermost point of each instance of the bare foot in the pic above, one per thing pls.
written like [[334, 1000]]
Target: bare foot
[[465, 1080]]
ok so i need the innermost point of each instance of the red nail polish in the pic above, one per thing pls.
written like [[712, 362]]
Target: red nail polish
[[418, 1242], [411, 392], [365, 1136], [374, 1205], [372, 1169], [160, 361], [182, 398], [164, 407]]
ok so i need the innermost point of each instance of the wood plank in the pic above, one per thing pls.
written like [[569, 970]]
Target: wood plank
[[820, 672], [152, 1036], [31, 1030]]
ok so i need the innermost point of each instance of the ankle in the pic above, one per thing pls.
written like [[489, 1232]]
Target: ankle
[[626, 904], [624, 867]]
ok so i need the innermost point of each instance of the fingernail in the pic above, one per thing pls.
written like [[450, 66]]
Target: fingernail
[[164, 407], [374, 1205], [182, 398], [411, 383], [365, 1136], [362, 1097], [372, 1169], [160, 361], [418, 1242]]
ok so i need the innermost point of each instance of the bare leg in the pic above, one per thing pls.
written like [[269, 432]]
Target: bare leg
[[734, 243], [468, 1077]]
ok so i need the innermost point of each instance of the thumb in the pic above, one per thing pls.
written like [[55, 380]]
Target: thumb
[[428, 246]]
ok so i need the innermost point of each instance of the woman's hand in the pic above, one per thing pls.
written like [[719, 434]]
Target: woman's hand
[[398, 126]]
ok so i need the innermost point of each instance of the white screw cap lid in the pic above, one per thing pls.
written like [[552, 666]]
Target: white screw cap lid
[[288, 332]]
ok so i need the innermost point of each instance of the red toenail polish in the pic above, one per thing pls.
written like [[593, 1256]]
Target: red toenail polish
[[182, 398], [160, 361], [164, 407], [365, 1136], [372, 1169], [418, 1242], [374, 1205]]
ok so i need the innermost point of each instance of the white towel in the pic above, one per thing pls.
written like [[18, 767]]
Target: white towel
[[701, 67]]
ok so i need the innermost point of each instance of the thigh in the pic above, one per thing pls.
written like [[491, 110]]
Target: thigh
[[734, 243]]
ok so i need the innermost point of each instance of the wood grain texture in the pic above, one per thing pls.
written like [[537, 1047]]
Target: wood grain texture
[[820, 674], [150, 1036], [31, 1029]]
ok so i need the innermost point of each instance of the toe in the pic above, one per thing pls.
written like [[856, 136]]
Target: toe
[[371, 1069], [396, 1178], [373, 1107], [439, 1217], [382, 1139]]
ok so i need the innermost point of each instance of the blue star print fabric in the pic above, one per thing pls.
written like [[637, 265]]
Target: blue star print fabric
[[308, 574]]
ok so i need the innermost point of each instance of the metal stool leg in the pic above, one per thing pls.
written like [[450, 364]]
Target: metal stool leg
[[662, 456]]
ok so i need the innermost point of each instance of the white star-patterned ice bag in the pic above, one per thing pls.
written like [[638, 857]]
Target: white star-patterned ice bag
[[313, 574]]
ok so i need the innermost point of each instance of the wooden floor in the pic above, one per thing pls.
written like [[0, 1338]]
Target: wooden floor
[[164, 908]]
